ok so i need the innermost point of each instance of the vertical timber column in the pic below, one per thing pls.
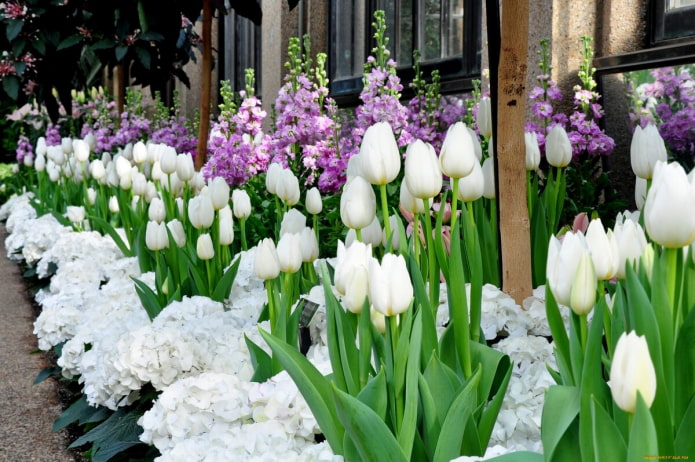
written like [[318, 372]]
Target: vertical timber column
[[272, 69], [515, 241], [206, 86]]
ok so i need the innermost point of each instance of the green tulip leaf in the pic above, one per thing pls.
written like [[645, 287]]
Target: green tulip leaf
[[685, 372], [488, 418], [372, 438], [522, 456], [685, 443], [462, 408], [374, 394], [431, 423], [262, 364], [560, 411], [224, 286], [540, 239], [148, 298], [562, 343], [608, 443], [408, 428], [314, 388], [643, 437], [443, 383]]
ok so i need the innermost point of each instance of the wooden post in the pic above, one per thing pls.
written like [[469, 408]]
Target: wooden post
[[206, 85], [515, 241]]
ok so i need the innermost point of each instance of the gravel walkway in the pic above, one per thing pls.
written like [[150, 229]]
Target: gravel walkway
[[27, 411]]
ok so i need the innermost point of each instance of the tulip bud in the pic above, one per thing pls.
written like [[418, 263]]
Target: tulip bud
[[241, 203], [91, 196], [584, 286], [75, 214], [533, 152], [167, 161], [139, 152], [647, 260], [177, 232], [422, 173], [604, 250], [66, 145], [290, 253], [156, 211], [669, 211], [266, 265], [40, 163], [378, 319], [488, 169], [379, 155], [631, 243], [184, 167], [562, 264], [97, 170], [457, 157], [91, 141], [292, 222], [151, 192], [123, 167], [139, 184], [471, 187], [484, 117], [156, 173], [310, 245], [201, 212], [113, 204], [41, 146], [632, 371], [287, 188], [272, 176], [372, 234], [357, 204], [219, 192], [646, 149], [314, 205], [156, 237], [204, 247], [81, 150], [197, 183], [357, 287], [558, 149], [226, 226], [390, 288], [354, 255]]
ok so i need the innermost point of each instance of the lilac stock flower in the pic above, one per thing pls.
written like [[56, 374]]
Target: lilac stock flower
[[53, 137], [24, 149]]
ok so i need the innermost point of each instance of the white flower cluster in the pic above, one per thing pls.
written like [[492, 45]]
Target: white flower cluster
[[29, 236], [217, 417]]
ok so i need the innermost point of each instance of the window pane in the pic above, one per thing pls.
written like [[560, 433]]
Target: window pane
[[432, 48], [675, 4], [405, 34], [455, 29], [349, 40]]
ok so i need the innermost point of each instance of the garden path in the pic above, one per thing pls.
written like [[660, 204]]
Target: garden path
[[27, 411]]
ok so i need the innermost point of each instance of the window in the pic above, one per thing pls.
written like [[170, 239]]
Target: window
[[446, 32], [242, 50], [672, 20]]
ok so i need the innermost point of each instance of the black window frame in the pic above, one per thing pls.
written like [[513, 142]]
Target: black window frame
[[241, 40], [670, 26], [457, 73]]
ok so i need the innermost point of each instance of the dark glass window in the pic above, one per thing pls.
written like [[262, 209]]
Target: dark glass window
[[242, 46], [446, 32], [672, 20]]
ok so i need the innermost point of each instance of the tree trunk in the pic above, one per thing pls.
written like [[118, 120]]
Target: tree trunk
[[119, 87], [515, 241], [206, 85]]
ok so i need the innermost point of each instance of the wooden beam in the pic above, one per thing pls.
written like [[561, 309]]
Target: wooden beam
[[206, 85], [515, 241]]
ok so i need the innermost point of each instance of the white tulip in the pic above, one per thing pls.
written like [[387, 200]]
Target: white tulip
[[379, 155], [204, 247], [347, 259], [113, 204], [632, 371], [272, 176], [184, 167], [287, 187], [357, 203], [390, 288], [484, 117], [156, 237], [226, 225], [201, 212], [563, 261], [558, 149], [471, 187], [167, 161], [604, 250], [177, 232], [422, 173], [219, 192], [457, 157], [81, 150], [313, 201], [646, 149], [139, 152], [488, 169], [293, 221], [241, 203], [75, 214], [533, 152]]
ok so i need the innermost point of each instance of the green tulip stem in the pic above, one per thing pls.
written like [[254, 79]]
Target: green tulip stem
[[242, 226], [431, 262], [358, 234], [583, 330], [675, 269], [272, 309], [601, 293], [209, 270], [288, 296], [392, 334], [416, 236], [385, 211], [315, 222], [454, 200]]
